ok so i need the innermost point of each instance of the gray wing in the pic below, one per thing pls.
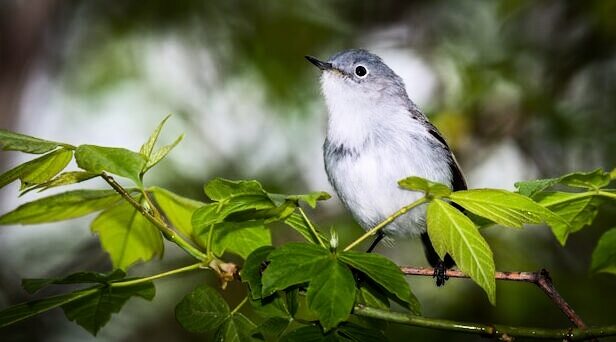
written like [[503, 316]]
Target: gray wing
[[457, 182]]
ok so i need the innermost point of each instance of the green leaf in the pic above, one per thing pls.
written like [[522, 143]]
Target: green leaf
[[220, 189], [202, 310], [93, 311], [430, 188], [62, 206], [311, 198], [214, 213], [452, 232], [10, 141], [292, 264], [33, 285], [177, 209], [299, 224], [240, 238], [277, 305], [147, 148], [236, 328], [532, 187], [372, 295], [251, 271], [604, 255], [358, 333], [504, 207], [588, 180], [385, 273], [161, 153], [311, 333], [22, 311], [45, 168], [579, 210], [65, 178], [118, 161], [331, 293], [613, 174], [273, 327], [38, 170], [127, 236]]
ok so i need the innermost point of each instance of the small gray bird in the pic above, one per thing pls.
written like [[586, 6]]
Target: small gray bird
[[377, 136]]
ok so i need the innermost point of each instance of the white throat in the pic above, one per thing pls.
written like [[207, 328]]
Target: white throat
[[356, 117]]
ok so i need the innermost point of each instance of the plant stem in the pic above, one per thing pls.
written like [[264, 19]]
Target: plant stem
[[499, 331], [607, 194], [385, 222], [159, 275], [208, 245], [541, 278], [311, 226], [167, 232], [239, 306]]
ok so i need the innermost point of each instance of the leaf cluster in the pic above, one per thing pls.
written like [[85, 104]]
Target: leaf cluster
[[294, 292]]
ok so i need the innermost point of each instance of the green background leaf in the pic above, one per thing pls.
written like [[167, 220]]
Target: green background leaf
[[236, 328], [385, 273], [22, 311], [578, 209], [118, 161], [127, 236], [162, 153], [503, 207], [251, 271], [588, 180], [240, 238], [604, 255], [331, 292], [299, 224], [291, 264], [65, 178], [93, 311], [219, 189], [177, 209], [10, 141], [201, 310], [428, 187], [33, 285], [38, 170], [62, 206], [311, 198], [147, 148]]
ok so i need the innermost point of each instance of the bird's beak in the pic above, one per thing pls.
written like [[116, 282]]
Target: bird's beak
[[319, 64]]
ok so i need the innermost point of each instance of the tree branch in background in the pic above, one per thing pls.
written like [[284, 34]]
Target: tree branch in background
[[541, 279], [502, 332]]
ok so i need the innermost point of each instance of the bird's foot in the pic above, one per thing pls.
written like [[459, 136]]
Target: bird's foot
[[440, 274]]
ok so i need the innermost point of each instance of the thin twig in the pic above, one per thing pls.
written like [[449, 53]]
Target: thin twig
[[167, 232], [311, 226], [385, 222], [131, 282], [488, 330], [541, 279]]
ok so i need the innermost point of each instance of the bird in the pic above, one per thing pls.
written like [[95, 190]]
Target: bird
[[376, 136]]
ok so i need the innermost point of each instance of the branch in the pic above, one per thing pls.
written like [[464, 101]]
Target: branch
[[167, 232], [499, 331], [541, 279], [385, 222]]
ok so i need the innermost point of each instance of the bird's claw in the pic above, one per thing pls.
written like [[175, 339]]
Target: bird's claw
[[440, 274]]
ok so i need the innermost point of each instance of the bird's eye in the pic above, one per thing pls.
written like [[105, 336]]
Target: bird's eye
[[361, 71]]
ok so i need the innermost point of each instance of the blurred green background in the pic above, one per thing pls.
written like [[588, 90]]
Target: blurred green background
[[521, 89]]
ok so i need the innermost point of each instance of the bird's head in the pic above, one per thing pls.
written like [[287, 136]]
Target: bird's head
[[360, 77]]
